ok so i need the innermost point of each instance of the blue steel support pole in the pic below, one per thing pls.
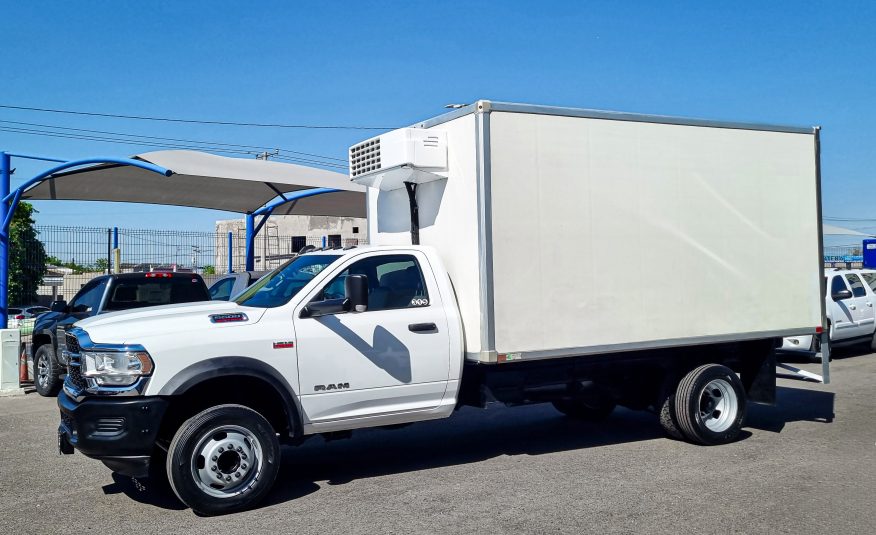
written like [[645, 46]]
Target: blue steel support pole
[[250, 242], [9, 201], [5, 180], [115, 237], [230, 253]]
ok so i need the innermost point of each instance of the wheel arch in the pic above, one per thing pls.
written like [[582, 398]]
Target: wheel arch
[[238, 379], [39, 339]]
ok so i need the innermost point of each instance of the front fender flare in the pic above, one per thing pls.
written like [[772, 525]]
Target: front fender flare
[[231, 366]]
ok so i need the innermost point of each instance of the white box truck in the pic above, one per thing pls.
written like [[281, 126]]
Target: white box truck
[[521, 254]]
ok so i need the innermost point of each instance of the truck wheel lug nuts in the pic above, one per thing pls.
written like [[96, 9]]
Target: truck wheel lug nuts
[[237, 474], [213, 468], [243, 466], [243, 456], [227, 478], [221, 449], [239, 449], [214, 458]]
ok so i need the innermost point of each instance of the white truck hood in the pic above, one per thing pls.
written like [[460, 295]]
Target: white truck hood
[[129, 326]]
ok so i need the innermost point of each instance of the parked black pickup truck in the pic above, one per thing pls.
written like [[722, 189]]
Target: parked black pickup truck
[[107, 293]]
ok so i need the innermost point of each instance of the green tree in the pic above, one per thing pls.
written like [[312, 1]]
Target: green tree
[[209, 270], [100, 264], [27, 257], [55, 261]]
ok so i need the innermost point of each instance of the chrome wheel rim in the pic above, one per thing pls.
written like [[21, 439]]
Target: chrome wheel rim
[[42, 371], [718, 405], [227, 461]]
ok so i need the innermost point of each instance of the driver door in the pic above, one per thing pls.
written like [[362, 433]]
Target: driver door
[[393, 358], [844, 310]]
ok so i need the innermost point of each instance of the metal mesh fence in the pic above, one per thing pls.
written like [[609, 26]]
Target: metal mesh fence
[[843, 256], [62, 259]]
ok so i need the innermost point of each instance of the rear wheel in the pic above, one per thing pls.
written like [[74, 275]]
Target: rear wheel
[[668, 420], [46, 371], [584, 410], [710, 405], [224, 459]]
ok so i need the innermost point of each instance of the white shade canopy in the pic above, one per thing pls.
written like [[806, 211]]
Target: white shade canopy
[[833, 230], [205, 180]]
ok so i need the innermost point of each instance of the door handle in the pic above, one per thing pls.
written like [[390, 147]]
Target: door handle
[[869, 304], [422, 327], [853, 307]]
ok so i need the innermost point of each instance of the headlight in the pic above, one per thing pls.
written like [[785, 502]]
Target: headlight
[[115, 368]]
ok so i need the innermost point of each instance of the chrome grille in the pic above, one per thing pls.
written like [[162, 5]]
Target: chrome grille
[[74, 372], [72, 343]]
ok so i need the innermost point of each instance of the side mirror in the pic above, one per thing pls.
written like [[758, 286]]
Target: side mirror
[[315, 309], [59, 306], [356, 292], [842, 294]]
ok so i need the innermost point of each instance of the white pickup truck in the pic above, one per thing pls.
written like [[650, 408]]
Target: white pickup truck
[[522, 254], [850, 310]]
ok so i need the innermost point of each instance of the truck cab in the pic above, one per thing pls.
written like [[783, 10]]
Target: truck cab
[[332, 340]]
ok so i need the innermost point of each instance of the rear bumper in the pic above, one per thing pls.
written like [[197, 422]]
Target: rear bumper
[[121, 432]]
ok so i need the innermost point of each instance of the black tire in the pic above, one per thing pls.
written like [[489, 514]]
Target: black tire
[[668, 420], [46, 371], [255, 466], [815, 348], [700, 414], [583, 410]]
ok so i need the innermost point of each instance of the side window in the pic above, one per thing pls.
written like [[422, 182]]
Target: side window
[[88, 298], [856, 284], [394, 281], [870, 279], [837, 285], [221, 291]]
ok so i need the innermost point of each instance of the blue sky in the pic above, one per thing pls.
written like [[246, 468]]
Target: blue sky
[[394, 63]]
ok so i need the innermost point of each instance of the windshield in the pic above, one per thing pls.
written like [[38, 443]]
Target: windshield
[[277, 288]]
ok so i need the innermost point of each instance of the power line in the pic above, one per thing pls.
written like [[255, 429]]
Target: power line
[[849, 219], [140, 136], [106, 139], [195, 121]]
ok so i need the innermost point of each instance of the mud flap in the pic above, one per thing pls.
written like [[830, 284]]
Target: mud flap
[[760, 382]]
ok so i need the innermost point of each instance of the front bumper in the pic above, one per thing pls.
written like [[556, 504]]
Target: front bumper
[[121, 432]]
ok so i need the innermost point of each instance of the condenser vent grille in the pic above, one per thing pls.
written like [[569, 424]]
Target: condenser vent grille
[[431, 141], [365, 157]]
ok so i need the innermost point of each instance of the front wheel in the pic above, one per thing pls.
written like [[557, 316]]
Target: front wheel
[[46, 371], [224, 459], [710, 405]]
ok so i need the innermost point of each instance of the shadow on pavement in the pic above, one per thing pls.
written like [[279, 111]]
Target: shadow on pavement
[[147, 491], [470, 436], [792, 405]]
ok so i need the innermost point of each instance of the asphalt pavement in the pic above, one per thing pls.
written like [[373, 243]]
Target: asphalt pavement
[[807, 465]]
